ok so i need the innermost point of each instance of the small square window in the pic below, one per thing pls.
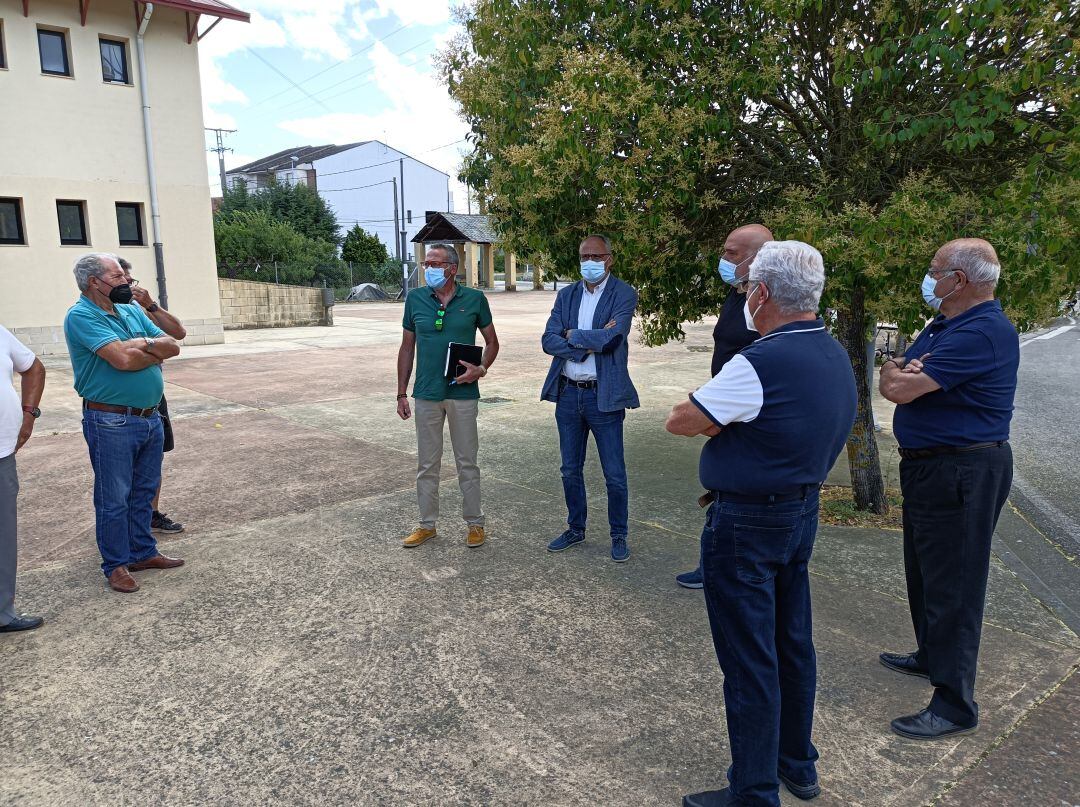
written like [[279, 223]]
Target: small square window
[[54, 52], [129, 224], [72, 218], [3, 54], [114, 61], [11, 226]]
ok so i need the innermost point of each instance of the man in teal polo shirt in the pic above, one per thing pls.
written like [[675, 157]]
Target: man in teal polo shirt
[[435, 316], [116, 354]]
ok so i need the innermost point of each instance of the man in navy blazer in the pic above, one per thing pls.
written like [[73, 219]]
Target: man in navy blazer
[[587, 337]]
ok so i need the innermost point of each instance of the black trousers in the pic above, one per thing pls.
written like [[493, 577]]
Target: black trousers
[[951, 507]]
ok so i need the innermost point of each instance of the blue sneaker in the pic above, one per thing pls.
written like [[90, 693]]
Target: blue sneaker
[[690, 579], [565, 541], [619, 550]]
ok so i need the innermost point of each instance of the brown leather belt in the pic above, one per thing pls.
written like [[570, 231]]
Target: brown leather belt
[[119, 410]]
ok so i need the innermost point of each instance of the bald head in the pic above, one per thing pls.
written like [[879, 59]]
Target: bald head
[[974, 257], [742, 244]]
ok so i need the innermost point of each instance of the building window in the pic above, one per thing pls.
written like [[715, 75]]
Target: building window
[[72, 218], [54, 52], [129, 224], [11, 228], [3, 53], [410, 217], [114, 61]]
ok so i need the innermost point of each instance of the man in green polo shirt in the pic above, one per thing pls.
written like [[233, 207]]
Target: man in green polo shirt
[[116, 354], [436, 315]]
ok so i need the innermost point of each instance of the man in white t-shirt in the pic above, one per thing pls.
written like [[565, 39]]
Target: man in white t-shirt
[[16, 426]]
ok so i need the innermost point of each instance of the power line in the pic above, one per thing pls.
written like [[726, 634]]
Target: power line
[[358, 187], [297, 86], [338, 63], [388, 162], [339, 83]]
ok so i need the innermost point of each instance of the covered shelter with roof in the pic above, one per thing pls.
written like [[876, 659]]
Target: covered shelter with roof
[[475, 239]]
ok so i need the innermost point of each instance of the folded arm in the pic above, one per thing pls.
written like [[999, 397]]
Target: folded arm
[[555, 344], [133, 354], [606, 339]]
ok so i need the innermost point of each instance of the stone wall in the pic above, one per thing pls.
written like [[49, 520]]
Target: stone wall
[[250, 304]]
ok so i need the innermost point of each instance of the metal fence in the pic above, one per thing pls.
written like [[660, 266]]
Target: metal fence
[[341, 276]]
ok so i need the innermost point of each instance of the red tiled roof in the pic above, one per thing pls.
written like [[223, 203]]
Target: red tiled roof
[[211, 8]]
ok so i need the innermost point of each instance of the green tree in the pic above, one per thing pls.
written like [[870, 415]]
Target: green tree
[[298, 205], [250, 242], [875, 130], [362, 247]]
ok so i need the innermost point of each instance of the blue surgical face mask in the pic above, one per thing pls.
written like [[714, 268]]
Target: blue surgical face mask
[[929, 284], [593, 271], [727, 271], [435, 278]]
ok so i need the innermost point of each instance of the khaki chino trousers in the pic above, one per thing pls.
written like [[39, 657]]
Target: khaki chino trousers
[[461, 417]]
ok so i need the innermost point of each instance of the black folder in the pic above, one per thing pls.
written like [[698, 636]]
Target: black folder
[[457, 352]]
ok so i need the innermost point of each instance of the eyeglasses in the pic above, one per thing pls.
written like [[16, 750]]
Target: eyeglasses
[[436, 264], [133, 282], [439, 317], [937, 274], [594, 256], [742, 286]]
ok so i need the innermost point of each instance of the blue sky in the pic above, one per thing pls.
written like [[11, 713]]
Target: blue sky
[[364, 69]]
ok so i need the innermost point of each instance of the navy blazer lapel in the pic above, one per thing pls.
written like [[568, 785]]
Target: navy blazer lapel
[[571, 316], [602, 314]]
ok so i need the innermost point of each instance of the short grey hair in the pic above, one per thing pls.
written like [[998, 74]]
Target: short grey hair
[[794, 273], [604, 238], [124, 263], [448, 250], [92, 265], [974, 262]]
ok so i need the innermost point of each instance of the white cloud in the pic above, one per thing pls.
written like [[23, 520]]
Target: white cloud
[[413, 12], [420, 118]]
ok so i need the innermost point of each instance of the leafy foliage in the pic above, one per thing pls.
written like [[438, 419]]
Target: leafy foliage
[[249, 243], [296, 204], [363, 247], [876, 130]]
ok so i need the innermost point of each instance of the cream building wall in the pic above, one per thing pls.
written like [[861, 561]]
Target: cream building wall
[[81, 138]]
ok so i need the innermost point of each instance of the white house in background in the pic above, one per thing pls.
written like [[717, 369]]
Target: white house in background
[[359, 182]]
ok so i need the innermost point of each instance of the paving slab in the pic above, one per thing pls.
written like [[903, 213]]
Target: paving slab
[[302, 656]]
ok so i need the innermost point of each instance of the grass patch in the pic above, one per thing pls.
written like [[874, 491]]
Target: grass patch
[[838, 509]]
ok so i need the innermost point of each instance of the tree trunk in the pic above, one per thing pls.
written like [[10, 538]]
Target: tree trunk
[[867, 485]]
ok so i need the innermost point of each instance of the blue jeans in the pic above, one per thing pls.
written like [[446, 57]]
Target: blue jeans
[[576, 414], [757, 590], [125, 452]]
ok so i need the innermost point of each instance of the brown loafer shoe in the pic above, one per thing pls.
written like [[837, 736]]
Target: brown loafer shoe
[[476, 536], [120, 580], [418, 536], [156, 562]]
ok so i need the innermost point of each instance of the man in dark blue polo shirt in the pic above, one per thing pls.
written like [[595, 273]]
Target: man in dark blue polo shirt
[[730, 335], [777, 415], [954, 391]]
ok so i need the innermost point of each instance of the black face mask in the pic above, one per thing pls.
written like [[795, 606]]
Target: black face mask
[[120, 295]]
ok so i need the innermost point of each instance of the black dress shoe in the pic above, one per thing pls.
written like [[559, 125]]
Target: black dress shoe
[[804, 792], [709, 798], [22, 623], [928, 726], [904, 663]]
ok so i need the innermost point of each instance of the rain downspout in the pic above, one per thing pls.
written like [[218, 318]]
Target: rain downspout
[[155, 211]]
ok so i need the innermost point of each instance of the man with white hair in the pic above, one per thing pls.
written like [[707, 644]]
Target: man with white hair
[[116, 354], [777, 416], [954, 393]]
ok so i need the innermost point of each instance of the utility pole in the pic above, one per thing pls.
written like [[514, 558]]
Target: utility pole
[[404, 243], [220, 149], [397, 247]]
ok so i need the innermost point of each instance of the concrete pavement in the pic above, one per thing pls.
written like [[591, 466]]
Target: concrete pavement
[[301, 656]]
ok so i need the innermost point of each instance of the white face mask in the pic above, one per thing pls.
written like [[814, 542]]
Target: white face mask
[[749, 317]]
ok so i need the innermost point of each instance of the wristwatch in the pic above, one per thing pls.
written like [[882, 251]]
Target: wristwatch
[[149, 344], [152, 308], [32, 410]]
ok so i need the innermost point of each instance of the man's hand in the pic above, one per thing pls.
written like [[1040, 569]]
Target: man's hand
[[712, 431], [914, 366], [25, 432], [142, 297], [610, 325], [403, 408], [471, 374]]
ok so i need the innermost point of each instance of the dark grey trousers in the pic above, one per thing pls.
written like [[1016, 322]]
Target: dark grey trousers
[[9, 493]]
